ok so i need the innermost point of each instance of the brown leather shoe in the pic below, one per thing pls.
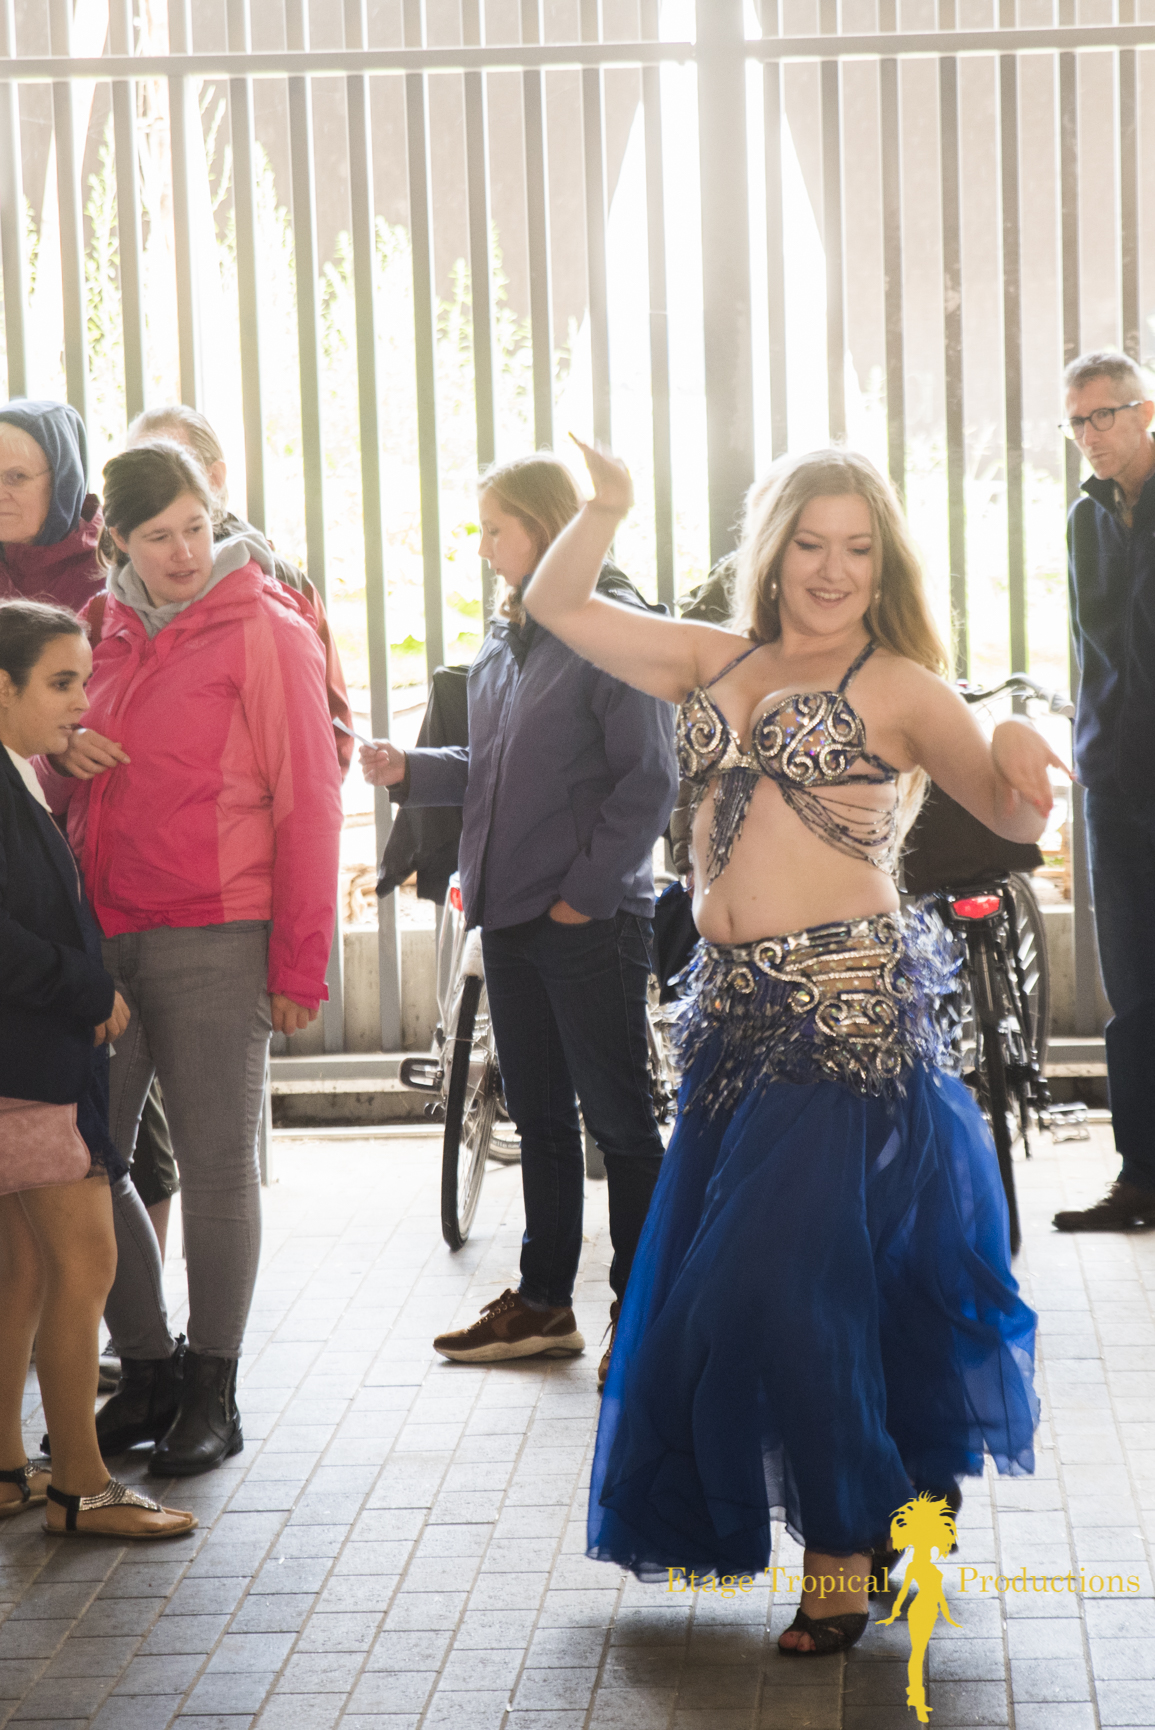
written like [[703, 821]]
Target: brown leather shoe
[[508, 1328], [1123, 1207], [612, 1330]]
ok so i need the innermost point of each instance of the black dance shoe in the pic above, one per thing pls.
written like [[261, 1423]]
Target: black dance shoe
[[207, 1427]]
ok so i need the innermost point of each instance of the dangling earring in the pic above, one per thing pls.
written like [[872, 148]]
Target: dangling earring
[[774, 588]]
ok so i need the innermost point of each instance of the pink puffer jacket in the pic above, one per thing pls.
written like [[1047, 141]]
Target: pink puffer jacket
[[231, 805]]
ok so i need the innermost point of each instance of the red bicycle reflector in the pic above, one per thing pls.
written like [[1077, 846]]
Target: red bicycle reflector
[[977, 906], [455, 900]]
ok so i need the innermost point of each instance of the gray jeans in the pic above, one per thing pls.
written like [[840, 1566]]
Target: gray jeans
[[201, 1022]]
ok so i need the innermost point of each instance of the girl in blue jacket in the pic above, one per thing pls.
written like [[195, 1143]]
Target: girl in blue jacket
[[567, 782]]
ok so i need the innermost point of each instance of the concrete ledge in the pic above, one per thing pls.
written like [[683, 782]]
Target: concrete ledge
[[1070, 1057]]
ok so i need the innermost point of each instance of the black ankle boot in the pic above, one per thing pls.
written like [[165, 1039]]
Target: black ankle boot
[[207, 1427], [144, 1405]]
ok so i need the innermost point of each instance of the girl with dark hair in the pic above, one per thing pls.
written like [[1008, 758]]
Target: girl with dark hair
[[566, 784], [59, 1008], [204, 803], [822, 1312]]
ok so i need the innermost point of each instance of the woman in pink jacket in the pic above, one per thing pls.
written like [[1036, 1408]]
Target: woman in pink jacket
[[205, 809]]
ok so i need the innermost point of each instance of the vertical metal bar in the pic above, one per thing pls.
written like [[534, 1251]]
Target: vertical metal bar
[[70, 204], [480, 278], [890, 123], [1129, 189], [308, 311], [185, 135], [309, 367], [1069, 222], [1013, 346], [1087, 1021], [659, 315], [725, 265], [952, 344], [248, 297], [13, 253], [775, 247], [425, 333], [364, 235], [593, 137], [831, 98], [537, 222], [128, 235]]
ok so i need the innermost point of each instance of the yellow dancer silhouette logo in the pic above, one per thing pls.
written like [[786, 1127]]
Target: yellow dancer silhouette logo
[[926, 1525]]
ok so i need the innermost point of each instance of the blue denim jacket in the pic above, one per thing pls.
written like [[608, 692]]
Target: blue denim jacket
[[568, 780], [1112, 586]]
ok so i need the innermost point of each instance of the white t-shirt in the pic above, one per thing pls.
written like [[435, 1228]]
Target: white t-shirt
[[28, 775]]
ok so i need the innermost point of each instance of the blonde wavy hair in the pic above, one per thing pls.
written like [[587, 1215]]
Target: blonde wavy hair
[[541, 493], [898, 616]]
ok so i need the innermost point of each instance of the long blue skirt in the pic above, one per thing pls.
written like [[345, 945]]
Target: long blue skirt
[[821, 1315]]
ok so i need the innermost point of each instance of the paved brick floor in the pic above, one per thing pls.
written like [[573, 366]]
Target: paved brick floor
[[400, 1544]]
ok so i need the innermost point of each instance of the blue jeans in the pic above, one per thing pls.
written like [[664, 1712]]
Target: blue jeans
[[568, 1004], [1121, 843]]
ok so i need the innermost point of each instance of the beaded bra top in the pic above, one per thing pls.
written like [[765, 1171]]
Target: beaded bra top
[[810, 744]]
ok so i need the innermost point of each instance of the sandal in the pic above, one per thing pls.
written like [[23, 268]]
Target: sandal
[[116, 1495], [830, 1634], [28, 1498]]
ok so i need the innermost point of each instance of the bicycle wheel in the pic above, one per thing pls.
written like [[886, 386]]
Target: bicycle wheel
[[1033, 964], [470, 1110]]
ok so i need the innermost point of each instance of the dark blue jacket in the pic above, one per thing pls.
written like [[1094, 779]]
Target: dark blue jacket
[[1112, 584], [568, 780], [54, 990]]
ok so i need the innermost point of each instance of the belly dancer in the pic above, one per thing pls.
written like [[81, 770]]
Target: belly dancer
[[821, 1316]]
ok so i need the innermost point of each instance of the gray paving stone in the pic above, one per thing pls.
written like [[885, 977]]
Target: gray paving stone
[[62, 1698], [136, 1712], [1123, 1703], [232, 1692], [392, 1691], [82, 1655], [160, 1675], [1034, 1679], [31, 1639], [302, 1712], [321, 1672], [185, 1634]]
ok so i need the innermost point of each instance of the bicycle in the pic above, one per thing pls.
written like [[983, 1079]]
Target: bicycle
[[462, 1070], [1000, 1015]]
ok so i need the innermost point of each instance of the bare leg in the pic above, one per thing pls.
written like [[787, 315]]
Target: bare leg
[[21, 1297], [835, 1570], [72, 1227], [158, 1213]]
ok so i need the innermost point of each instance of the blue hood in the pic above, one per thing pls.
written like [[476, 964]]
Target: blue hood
[[59, 431]]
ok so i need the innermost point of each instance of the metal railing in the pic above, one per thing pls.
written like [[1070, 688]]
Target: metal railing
[[721, 55]]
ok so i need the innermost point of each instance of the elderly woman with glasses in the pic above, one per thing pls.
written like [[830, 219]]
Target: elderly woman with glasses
[[49, 523]]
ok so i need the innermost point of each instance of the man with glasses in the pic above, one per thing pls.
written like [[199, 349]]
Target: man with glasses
[[1111, 561]]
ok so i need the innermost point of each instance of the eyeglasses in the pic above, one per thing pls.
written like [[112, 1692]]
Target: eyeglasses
[[15, 480], [1099, 418]]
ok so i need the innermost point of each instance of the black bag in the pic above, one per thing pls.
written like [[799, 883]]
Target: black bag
[[426, 839], [947, 847]]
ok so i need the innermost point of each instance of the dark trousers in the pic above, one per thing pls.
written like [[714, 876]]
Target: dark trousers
[[568, 1004], [1121, 842]]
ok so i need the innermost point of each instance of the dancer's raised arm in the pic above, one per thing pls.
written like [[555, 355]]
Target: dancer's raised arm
[[665, 657]]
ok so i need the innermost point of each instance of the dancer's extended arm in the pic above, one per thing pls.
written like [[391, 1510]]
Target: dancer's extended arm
[[662, 656]]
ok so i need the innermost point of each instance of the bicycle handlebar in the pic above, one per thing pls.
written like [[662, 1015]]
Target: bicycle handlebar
[[1020, 685]]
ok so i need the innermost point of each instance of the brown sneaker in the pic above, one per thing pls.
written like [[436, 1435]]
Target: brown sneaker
[[508, 1328], [612, 1330], [1125, 1205]]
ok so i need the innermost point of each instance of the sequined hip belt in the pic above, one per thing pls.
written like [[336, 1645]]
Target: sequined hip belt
[[852, 1002]]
